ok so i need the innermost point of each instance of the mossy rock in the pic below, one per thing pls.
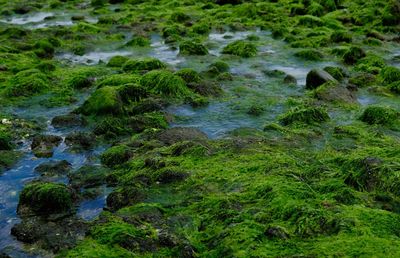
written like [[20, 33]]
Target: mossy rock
[[379, 115], [311, 55], [103, 101], [352, 55], [44, 49], [390, 74], [241, 48], [117, 80], [46, 198], [138, 41], [395, 87], [116, 155], [165, 83], [341, 36], [117, 61], [337, 72], [218, 67], [316, 78], [192, 47], [147, 64], [189, 75], [363, 80], [310, 21], [6, 141], [179, 17], [27, 83], [305, 115], [370, 64]]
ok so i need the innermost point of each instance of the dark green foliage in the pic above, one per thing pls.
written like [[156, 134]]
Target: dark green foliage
[[46, 197], [105, 100], [27, 83], [306, 115], [337, 72], [191, 47], [341, 36], [241, 48], [117, 61], [179, 17], [5, 141], [395, 87], [138, 41], [44, 49], [188, 75], [379, 115]]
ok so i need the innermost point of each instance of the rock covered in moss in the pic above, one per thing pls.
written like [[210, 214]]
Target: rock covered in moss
[[138, 41], [192, 47], [146, 64], [335, 93], [316, 78], [27, 83], [306, 115], [379, 115], [290, 79], [390, 74], [117, 80], [352, 55], [80, 140], [165, 83], [6, 141], [69, 120], [116, 155], [363, 80], [309, 54], [179, 134], [103, 101], [45, 198], [123, 197], [117, 61], [341, 36], [189, 75], [42, 145], [337, 72], [218, 67], [241, 48], [53, 168]]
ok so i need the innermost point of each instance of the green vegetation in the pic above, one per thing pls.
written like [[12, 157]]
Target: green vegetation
[[241, 48], [147, 64], [308, 115], [379, 115], [165, 83]]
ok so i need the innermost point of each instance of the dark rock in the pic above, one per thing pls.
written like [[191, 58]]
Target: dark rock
[[88, 177], [122, 197], [290, 79], [80, 140], [148, 105], [70, 120], [179, 134], [336, 93], [53, 168], [316, 78], [50, 235], [42, 145], [276, 232]]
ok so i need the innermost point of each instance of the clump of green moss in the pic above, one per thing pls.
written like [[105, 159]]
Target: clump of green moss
[[337, 72], [395, 87], [117, 80], [27, 83], [146, 64], [201, 28], [341, 36], [188, 75], [370, 64], [192, 47], [5, 141], [310, 21], [44, 49], [241, 48], [306, 115], [218, 67], [179, 17], [138, 41], [105, 100], [165, 83], [379, 115], [352, 55], [309, 54], [116, 155], [390, 74], [117, 61], [256, 110], [43, 197]]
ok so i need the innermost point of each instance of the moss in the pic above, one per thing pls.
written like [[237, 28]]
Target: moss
[[256, 110], [146, 64], [138, 41], [241, 48], [117, 61], [370, 64], [91, 248], [363, 80], [218, 67], [188, 75], [27, 83], [341, 36], [306, 115], [117, 80], [337, 72], [201, 28], [390, 74], [116, 155], [310, 21], [352, 55], [44, 49], [395, 87], [103, 101], [45, 197], [379, 115], [6, 141], [8, 159], [165, 83], [312, 55], [191, 47], [46, 67], [179, 17]]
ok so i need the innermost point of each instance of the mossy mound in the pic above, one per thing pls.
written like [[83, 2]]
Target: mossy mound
[[117, 80], [241, 48], [27, 83], [379, 115], [341, 36], [191, 47], [370, 64], [337, 72], [6, 141], [312, 55], [189, 75], [147, 64], [165, 83], [390, 74], [352, 55], [103, 101], [47, 198], [305, 115], [116, 155], [138, 41], [117, 61]]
